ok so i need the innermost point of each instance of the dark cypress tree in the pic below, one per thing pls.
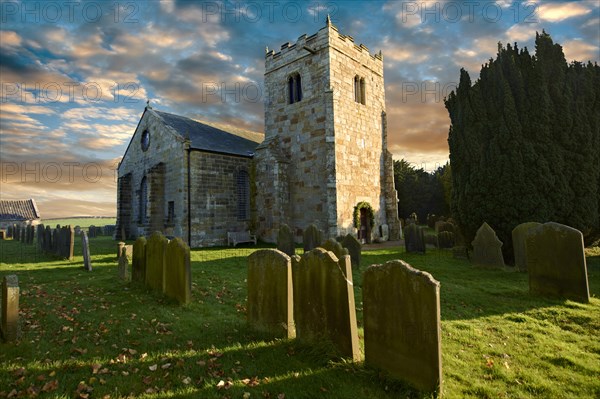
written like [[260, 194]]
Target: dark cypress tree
[[524, 142]]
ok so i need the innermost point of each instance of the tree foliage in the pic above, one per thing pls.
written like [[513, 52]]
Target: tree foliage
[[422, 192], [524, 142]]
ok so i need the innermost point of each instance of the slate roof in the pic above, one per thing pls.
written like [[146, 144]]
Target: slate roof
[[209, 138], [19, 210]]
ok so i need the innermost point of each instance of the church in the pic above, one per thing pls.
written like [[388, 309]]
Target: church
[[323, 158]]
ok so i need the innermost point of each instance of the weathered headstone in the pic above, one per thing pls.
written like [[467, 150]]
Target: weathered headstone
[[402, 323], [85, 248], [519, 240], [9, 326], [70, 242], [556, 262], [270, 292], [48, 239], [384, 232], [77, 230], [40, 236], [333, 246], [123, 265], [324, 300], [9, 232], [156, 247], [285, 240], [56, 241], [311, 238], [354, 249], [23, 234], [414, 238], [138, 263], [92, 231], [445, 239], [178, 272], [487, 248], [17, 232]]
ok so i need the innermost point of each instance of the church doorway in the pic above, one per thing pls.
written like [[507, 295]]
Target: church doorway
[[365, 229]]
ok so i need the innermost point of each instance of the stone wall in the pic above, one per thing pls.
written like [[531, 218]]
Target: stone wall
[[214, 200], [336, 147], [164, 165]]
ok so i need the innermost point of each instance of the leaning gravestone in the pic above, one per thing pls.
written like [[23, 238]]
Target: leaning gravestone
[[402, 323], [85, 248], [556, 262], [414, 239], [285, 240], [9, 326], [156, 247], [519, 240], [354, 248], [138, 262], [270, 293], [324, 300], [487, 248], [311, 238], [178, 272], [124, 265], [333, 246]]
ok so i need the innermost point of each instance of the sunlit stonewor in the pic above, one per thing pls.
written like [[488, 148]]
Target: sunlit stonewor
[[324, 151]]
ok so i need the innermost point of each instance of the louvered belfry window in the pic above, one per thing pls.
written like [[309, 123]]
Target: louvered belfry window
[[243, 195]]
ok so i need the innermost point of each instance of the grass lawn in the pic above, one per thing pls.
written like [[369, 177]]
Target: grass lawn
[[81, 222], [91, 335]]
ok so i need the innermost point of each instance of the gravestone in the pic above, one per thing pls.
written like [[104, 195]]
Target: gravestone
[[23, 234], [10, 231], [77, 230], [108, 230], [335, 247], [556, 262], [56, 241], [431, 239], [460, 252], [92, 231], [48, 239], [324, 300], [446, 239], [27, 235], [31, 234], [487, 248], [138, 262], [123, 265], [2, 235], [85, 248], [414, 239], [442, 225], [9, 326], [402, 323], [156, 247], [519, 240], [40, 236], [17, 232], [354, 249], [178, 272], [384, 232], [285, 240], [311, 238], [270, 293]]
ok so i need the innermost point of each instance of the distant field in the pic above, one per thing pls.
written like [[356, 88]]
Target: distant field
[[82, 222]]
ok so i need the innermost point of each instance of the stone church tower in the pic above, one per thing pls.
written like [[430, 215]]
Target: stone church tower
[[325, 148]]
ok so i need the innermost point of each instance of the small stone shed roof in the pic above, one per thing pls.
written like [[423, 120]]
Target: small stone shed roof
[[209, 138], [19, 210]]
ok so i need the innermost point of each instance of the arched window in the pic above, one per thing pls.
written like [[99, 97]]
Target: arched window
[[359, 90], [143, 200], [243, 195], [294, 84]]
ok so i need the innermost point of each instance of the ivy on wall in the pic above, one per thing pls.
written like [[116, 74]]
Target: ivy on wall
[[370, 214]]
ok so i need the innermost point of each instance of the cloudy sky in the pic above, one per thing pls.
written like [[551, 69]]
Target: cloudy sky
[[75, 76]]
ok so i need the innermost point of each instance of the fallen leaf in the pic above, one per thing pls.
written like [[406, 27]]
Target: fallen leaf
[[187, 380], [246, 395], [281, 396], [153, 367], [95, 368], [165, 366]]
